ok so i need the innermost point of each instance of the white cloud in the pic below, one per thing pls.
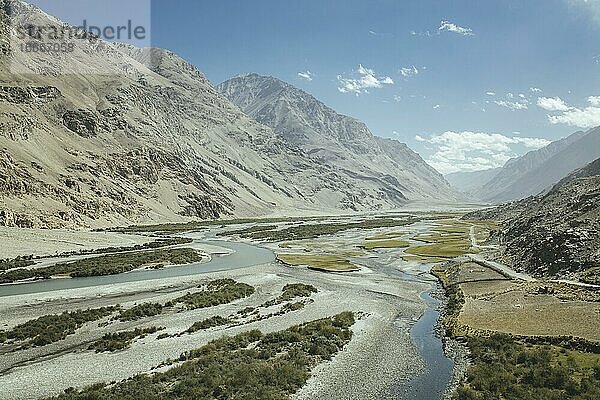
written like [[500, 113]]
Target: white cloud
[[594, 101], [447, 26], [436, 106], [397, 98], [513, 105], [535, 90], [363, 80], [307, 75], [491, 93], [420, 138], [409, 71], [589, 8], [552, 104], [474, 151], [586, 117]]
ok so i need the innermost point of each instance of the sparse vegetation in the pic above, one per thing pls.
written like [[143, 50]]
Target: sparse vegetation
[[19, 262], [311, 231], [52, 328], [247, 366], [217, 292], [323, 262], [292, 292], [209, 323], [121, 340], [140, 311], [111, 264], [156, 244]]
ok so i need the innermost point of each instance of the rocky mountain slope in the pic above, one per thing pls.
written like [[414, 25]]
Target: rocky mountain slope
[[557, 233], [328, 138], [110, 134], [536, 171]]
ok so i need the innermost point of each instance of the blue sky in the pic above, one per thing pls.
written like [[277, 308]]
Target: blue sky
[[465, 83]]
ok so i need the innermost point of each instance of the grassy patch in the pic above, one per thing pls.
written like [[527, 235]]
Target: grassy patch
[[386, 236], [441, 250], [328, 263], [120, 340], [384, 244], [111, 264], [247, 366], [52, 328], [448, 240]]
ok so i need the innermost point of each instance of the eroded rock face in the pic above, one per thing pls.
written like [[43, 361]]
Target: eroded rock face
[[29, 94], [82, 122]]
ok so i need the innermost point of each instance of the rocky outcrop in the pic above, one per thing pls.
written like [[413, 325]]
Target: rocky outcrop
[[29, 94]]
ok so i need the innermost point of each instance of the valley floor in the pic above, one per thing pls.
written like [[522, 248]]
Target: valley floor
[[384, 294]]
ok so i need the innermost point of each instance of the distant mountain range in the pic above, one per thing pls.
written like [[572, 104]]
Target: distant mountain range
[[532, 173], [111, 134]]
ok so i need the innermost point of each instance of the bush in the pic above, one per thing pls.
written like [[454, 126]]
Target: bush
[[247, 366], [52, 328]]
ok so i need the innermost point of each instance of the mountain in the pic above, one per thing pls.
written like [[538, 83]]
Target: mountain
[[557, 233], [538, 170], [111, 134], [467, 182], [329, 138]]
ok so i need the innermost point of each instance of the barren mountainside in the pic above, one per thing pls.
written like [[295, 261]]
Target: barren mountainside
[[112, 134], [557, 233], [329, 138]]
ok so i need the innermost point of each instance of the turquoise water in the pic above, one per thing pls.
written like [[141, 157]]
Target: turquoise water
[[244, 255]]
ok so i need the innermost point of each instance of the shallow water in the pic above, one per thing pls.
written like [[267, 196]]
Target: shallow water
[[244, 255], [432, 383]]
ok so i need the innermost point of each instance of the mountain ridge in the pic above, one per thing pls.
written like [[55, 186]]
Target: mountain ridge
[[329, 137]]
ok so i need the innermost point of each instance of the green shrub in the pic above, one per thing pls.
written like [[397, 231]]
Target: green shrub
[[52, 328], [121, 340], [247, 366]]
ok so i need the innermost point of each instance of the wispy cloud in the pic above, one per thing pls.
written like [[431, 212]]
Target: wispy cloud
[[363, 79], [306, 75], [513, 105], [535, 90], [589, 8], [584, 117], [447, 26], [475, 151], [490, 93], [409, 71]]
